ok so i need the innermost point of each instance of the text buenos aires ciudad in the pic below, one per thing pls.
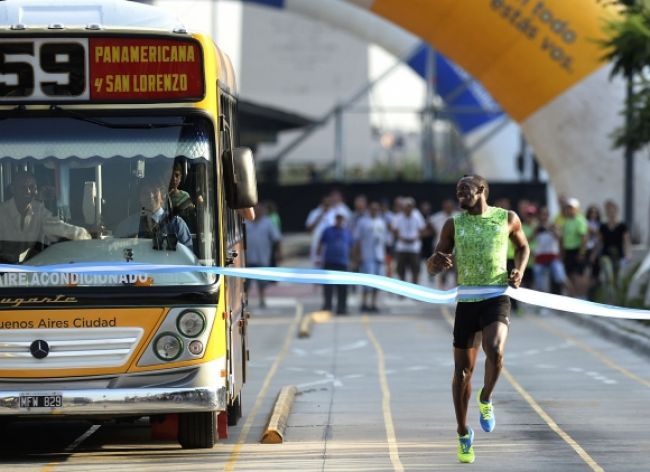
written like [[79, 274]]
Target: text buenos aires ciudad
[[139, 55], [79, 322]]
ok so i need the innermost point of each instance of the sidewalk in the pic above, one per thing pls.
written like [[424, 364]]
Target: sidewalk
[[629, 333]]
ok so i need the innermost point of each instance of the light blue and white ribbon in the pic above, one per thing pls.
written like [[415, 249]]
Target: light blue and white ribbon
[[331, 277]]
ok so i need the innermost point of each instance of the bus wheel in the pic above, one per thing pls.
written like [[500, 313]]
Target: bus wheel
[[234, 411], [197, 430]]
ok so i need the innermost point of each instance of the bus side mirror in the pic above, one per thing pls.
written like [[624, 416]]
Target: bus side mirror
[[239, 176]]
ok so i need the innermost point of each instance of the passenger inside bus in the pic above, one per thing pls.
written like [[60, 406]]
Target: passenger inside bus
[[181, 201], [27, 226], [154, 221]]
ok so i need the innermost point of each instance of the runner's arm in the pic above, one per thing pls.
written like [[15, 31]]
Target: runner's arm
[[442, 259], [522, 250]]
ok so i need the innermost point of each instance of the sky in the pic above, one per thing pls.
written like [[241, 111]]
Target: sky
[[402, 88]]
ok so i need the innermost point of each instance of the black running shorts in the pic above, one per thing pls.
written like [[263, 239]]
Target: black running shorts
[[474, 316]]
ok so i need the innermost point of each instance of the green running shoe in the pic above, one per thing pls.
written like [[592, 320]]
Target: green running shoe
[[486, 417], [465, 449]]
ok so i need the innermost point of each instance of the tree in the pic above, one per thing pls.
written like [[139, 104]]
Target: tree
[[628, 49]]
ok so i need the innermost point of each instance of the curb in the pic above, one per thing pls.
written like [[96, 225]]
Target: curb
[[627, 333], [308, 320], [304, 330], [274, 431]]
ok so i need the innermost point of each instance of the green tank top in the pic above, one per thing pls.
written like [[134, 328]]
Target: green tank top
[[481, 247]]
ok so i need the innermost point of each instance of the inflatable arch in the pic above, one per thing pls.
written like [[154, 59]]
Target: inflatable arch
[[539, 60]]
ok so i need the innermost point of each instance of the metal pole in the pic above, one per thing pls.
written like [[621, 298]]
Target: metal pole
[[339, 172], [346, 103], [520, 163], [99, 195], [428, 119], [629, 159], [493, 132]]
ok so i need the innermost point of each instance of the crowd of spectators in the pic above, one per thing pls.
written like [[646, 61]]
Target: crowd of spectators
[[574, 252]]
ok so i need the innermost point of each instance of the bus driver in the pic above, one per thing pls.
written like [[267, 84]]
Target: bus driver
[[27, 225]]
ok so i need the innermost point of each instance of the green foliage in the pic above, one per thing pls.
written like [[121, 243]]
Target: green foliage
[[628, 43], [409, 169], [627, 47], [615, 292], [637, 132]]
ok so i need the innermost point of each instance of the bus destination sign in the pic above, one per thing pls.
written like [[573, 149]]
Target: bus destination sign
[[132, 69], [103, 69]]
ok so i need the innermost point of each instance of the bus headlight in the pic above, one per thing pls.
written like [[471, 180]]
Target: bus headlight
[[195, 347], [168, 346], [191, 323]]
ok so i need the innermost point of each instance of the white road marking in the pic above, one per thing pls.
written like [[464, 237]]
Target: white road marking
[[534, 352], [348, 347], [280, 302], [89, 432], [594, 375], [354, 376], [335, 382]]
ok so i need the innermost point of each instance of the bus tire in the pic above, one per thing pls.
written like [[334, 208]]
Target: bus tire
[[197, 430], [234, 411]]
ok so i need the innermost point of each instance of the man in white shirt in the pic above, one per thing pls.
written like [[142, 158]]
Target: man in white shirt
[[27, 225], [407, 227], [324, 216], [371, 234]]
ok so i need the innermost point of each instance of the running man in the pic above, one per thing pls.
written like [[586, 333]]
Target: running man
[[478, 237]]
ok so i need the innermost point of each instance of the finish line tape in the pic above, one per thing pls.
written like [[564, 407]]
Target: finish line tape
[[331, 277]]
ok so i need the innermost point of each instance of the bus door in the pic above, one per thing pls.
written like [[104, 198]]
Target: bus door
[[234, 257]]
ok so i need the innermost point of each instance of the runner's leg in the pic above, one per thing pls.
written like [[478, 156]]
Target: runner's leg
[[494, 343], [461, 386]]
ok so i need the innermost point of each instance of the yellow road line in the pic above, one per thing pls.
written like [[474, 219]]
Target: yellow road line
[[602, 358], [540, 411], [385, 391], [230, 466], [551, 423]]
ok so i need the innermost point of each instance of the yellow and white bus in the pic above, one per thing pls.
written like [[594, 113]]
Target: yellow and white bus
[[118, 143]]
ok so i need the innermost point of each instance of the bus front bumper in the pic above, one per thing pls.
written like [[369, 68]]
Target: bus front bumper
[[112, 402]]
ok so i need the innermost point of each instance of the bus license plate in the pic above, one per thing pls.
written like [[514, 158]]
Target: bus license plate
[[49, 400]]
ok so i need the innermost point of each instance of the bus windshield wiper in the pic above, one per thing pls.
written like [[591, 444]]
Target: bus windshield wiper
[[96, 121]]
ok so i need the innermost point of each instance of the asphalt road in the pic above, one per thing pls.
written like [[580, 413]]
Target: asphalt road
[[374, 395]]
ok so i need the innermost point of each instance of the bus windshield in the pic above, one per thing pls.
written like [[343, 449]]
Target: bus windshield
[[91, 188]]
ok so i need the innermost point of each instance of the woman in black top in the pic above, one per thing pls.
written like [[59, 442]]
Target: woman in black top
[[614, 239]]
